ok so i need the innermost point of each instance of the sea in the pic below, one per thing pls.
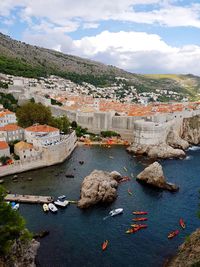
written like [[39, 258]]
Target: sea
[[76, 235]]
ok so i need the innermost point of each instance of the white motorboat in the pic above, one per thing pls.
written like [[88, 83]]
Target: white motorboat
[[52, 207], [61, 203], [16, 206], [116, 212], [62, 197]]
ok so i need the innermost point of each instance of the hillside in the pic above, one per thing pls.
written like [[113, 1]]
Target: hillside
[[21, 59]]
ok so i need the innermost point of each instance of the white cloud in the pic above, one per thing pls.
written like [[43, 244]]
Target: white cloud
[[139, 52], [90, 25], [62, 12]]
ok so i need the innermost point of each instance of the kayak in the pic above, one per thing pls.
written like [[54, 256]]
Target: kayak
[[140, 212], [130, 193], [124, 179], [104, 245], [139, 219], [139, 226], [173, 234], [182, 224], [132, 230]]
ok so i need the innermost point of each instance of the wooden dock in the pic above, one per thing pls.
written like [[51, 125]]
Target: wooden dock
[[28, 198]]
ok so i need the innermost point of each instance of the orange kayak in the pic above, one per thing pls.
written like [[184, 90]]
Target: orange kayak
[[182, 224], [140, 212], [132, 230], [173, 234], [139, 219], [104, 245]]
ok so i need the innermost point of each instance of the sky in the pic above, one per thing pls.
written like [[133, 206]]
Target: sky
[[140, 36]]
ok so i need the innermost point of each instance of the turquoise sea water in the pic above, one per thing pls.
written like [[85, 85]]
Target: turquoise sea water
[[76, 235]]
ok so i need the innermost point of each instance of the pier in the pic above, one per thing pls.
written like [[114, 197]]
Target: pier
[[28, 198]]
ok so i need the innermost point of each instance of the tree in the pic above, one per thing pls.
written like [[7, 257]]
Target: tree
[[12, 226], [31, 113], [61, 123]]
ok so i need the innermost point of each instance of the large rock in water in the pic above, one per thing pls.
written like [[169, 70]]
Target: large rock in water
[[154, 176], [99, 186], [189, 252]]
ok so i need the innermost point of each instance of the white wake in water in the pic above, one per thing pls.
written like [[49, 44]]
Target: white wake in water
[[194, 148]]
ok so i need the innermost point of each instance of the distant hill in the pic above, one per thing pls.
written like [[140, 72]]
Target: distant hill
[[21, 59]]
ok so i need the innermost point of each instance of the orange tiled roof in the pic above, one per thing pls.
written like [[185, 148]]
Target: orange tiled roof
[[23, 145], [3, 145], [10, 128], [41, 128], [5, 112]]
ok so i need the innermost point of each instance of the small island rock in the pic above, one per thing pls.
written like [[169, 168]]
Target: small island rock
[[153, 175], [99, 186]]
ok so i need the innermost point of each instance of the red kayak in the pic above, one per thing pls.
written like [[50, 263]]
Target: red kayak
[[140, 212], [124, 179], [139, 219], [139, 226], [182, 224], [104, 245], [173, 234]]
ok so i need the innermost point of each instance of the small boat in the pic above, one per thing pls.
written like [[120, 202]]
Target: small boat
[[129, 192], [132, 175], [45, 207], [182, 224], [111, 157], [140, 212], [61, 203], [139, 219], [132, 230], [173, 234], [62, 197], [116, 212], [15, 207], [104, 245], [73, 201], [52, 207], [124, 179], [139, 226], [125, 169]]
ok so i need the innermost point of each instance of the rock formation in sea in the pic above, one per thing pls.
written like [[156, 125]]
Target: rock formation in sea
[[188, 254], [153, 175], [99, 186], [21, 255]]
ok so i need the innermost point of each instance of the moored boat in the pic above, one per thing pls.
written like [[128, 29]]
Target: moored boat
[[139, 226], [45, 207], [61, 203], [129, 192], [139, 219], [15, 207], [63, 197], [182, 223], [116, 212], [173, 234], [140, 212], [52, 207], [104, 245]]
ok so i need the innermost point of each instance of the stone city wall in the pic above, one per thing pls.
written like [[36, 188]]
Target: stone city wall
[[51, 155]]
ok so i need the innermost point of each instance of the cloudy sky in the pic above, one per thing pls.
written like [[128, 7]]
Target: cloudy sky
[[142, 36]]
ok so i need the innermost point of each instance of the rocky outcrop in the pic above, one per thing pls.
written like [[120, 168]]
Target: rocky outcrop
[[191, 130], [99, 186], [189, 252], [21, 255], [175, 141], [153, 175], [156, 151]]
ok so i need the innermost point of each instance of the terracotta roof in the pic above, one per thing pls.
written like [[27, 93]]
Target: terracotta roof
[[3, 145], [23, 145], [41, 128], [10, 128], [5, 112]]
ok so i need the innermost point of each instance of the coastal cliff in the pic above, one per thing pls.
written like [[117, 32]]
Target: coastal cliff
[[188, 254], [191, 130], [21, 255]]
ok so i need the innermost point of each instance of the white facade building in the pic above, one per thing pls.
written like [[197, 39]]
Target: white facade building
[[7, 117], [42, 135]]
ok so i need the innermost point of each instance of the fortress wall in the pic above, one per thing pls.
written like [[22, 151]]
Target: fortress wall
[[50, 155], [150, 133]]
